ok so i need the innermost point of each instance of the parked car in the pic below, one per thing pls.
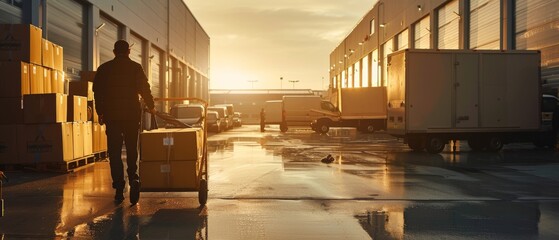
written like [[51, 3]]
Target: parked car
[[190, 114], [237, 121], [230, 113], [222, 111], [213, 122]]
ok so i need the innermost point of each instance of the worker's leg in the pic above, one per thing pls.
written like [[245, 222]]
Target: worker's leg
[[114, 145], [131, 140]]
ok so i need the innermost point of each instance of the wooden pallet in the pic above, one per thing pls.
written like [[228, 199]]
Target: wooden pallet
[[64, 167], [101, 156]]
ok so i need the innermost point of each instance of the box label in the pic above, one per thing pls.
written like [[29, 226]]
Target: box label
[[165, 168], [168, 141]]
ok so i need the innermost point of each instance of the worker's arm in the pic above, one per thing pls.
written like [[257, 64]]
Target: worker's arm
[[99, 89], [144, 89]]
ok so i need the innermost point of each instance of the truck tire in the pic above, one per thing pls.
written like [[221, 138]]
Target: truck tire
[[494, 143], [283, 127], [368, 128], [434, 145], [416, 144], [322, 127]]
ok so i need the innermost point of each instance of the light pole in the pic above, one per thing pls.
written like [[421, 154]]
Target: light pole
[[293, 81], [252, 82], [281, 83]]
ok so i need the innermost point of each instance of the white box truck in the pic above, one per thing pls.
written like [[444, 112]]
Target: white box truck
[[488, 98], [362, 108]]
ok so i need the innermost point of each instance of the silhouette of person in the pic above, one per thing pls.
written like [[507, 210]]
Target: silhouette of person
[[262, 120], [116, 87]]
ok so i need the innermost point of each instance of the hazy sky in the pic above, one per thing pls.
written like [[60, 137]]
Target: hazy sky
[[255, 42]]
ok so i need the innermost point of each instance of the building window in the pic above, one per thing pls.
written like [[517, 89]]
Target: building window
[[365, 71], [402, 40], [485, 28], [372, 29], [422, 33], [449, 25], [375, 73]]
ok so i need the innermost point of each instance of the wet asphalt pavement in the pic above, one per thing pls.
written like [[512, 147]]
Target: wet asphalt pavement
[[273, 186]]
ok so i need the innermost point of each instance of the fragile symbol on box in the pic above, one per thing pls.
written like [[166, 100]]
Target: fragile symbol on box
[[168, 141], [165, 168]]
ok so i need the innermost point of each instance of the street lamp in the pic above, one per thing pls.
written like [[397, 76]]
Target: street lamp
[[252, 82], [281, 82], [293, 81]]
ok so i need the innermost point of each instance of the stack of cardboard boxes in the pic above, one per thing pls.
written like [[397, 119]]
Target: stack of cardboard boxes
[[171, 158], [40, 123]]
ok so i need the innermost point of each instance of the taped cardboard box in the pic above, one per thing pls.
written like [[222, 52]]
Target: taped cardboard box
[[20, 42], [91, 112], [13, 106], [173, 175], [96, 138], [58, 53], [15, 79], [103, 138], [77, 109], [47, 55], [57, 81], [179, 144], [81, 88], [36, 81], [47, 81], [45, 108], [46, 143], [77, 130], [87, 138], [87, 76], [8, 144]]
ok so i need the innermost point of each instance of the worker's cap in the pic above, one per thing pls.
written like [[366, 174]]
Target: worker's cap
[[121, 46]]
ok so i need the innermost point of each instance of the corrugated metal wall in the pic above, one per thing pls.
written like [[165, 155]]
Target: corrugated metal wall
[[137, 49], [66, 27], [537, 24], [449, 25], [106, 37], [10, 13]]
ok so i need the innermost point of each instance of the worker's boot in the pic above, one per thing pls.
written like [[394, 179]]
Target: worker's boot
[[119, 195], [134, 192]]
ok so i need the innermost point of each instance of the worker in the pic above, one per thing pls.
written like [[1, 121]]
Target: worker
[[262, 120], [116, 87]]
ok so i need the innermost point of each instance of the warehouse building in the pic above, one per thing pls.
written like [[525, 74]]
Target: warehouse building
[[165, 38], [360, 60]]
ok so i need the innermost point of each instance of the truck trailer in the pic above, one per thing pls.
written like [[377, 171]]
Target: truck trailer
[[362, 108], [488, 98]]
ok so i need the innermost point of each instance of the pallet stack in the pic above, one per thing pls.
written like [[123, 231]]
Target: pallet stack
[[41, 126]]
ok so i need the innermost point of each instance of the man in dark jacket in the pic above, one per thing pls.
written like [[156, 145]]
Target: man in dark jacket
[[116, 87]]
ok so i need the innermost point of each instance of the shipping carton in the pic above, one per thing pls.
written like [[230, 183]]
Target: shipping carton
[[81, 88], [20, 42], [103, 138], [45, 108], [8, 144], [87, 138], [47, 53], [58, 54], [13, 106], [87, 76], [57, 81], [91, 112], [173, 175], [40, 143], [77, 109], [36, 81], [96, 138], [15, 79], [78, 138], [179, 144], [47, 81]]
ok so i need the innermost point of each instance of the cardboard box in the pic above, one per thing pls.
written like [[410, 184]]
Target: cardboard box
[[36, 79], [57, 81], [47, 53], [87, 138], [13, 106], [77, 109], [173, 175], [87, 76], [183, 144], [45, 143], [103, 138], [8, 144], [47, 81], [20, 42], [81, 88], [15, 79], [58, 55], [78, 147], [96, 138], [45, 108]]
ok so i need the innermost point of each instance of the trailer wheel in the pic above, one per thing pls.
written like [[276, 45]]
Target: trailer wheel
[[323, 127], [434, 145], [369, 128], [283, 127], [416, 144], [494, 143], [203, 192]]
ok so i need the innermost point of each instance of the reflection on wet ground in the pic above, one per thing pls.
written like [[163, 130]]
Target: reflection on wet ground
[[274, 186]]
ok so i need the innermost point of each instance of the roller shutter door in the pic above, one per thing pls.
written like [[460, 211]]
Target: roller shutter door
[[10, 14], [449, 25], [403, 40], [485, 19], [107, 36], [422, 33], [387, 49], [536, 29], [67, 28], [136, 49], [155, 64]]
